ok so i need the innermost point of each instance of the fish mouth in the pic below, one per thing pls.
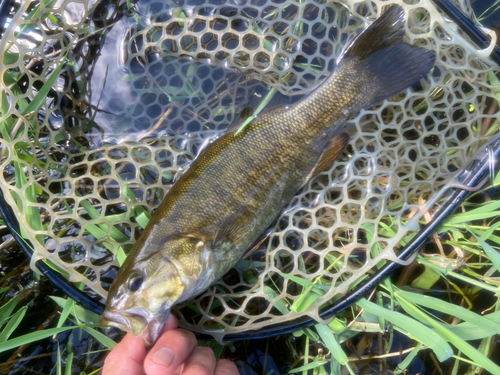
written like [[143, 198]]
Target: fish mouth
[[134, 323]]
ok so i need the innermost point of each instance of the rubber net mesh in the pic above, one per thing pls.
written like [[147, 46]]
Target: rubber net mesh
[[88, 151]]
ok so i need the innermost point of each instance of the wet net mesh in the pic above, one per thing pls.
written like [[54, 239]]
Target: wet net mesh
[[104, 103]]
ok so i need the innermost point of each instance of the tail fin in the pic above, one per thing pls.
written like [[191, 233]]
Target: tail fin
[[391, 64]]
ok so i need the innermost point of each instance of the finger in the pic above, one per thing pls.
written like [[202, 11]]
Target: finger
[[225, 367], [169, 352], [170, 324], [200, 362], [126, 358]]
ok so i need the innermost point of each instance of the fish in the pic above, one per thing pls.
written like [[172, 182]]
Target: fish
[[239, 183]]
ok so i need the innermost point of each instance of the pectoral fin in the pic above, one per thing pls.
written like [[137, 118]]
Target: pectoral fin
[[333, 151]]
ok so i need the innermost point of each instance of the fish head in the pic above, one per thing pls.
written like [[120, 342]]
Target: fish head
[[146, 287]]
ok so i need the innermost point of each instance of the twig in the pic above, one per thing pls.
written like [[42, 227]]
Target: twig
[[388, 355]]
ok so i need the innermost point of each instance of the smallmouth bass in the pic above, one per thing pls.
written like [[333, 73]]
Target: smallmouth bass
[[239, 184]]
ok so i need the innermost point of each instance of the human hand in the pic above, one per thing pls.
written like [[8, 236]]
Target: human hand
[[175, 352]]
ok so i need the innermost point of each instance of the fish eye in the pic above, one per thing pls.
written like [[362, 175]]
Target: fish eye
[[135, 281]]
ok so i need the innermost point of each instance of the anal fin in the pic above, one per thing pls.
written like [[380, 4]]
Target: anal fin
[[332, 152]]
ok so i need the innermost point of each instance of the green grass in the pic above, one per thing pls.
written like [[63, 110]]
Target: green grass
[[413, 311]]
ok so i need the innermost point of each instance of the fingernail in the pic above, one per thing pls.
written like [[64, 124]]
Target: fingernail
[[163, 356]]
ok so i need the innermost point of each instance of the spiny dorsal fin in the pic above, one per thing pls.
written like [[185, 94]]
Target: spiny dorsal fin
[[332, 152]]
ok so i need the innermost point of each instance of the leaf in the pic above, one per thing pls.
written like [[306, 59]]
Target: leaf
[[492, 253], [447, 272], [68, 306], [331, 343], [58, 363], [338, 326], [426, 279], [308, 366], [101, 228], [94, 230], [6, 310], [304, 301], [31, 337], [306, 354], [416, 329], [69, 364], [259, 109], [39, 98], [143, 219], [84, 315], [10, 79], [56, 268], [460, 344], [14, 321], [117, 217], [59, 137], [467, 331], [120, 255], [306, 283], [10, 58], [480, 213], [279, 304], [102, 338], [450, 309], [407, 361]]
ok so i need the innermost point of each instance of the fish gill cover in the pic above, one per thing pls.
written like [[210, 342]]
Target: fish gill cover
[[104, 103]]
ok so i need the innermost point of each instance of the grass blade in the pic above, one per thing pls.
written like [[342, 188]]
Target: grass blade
[[39, 98], [306, 355], [259, 109], [460, 344], [69, 364], [416, 329], [483, 212], [407, 361], [31, 337], [450, 309], [492, 253], [309, 366], [84, 315], [331, 343], [68, 306], [102, 338], [6, 310], [14, 321]]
